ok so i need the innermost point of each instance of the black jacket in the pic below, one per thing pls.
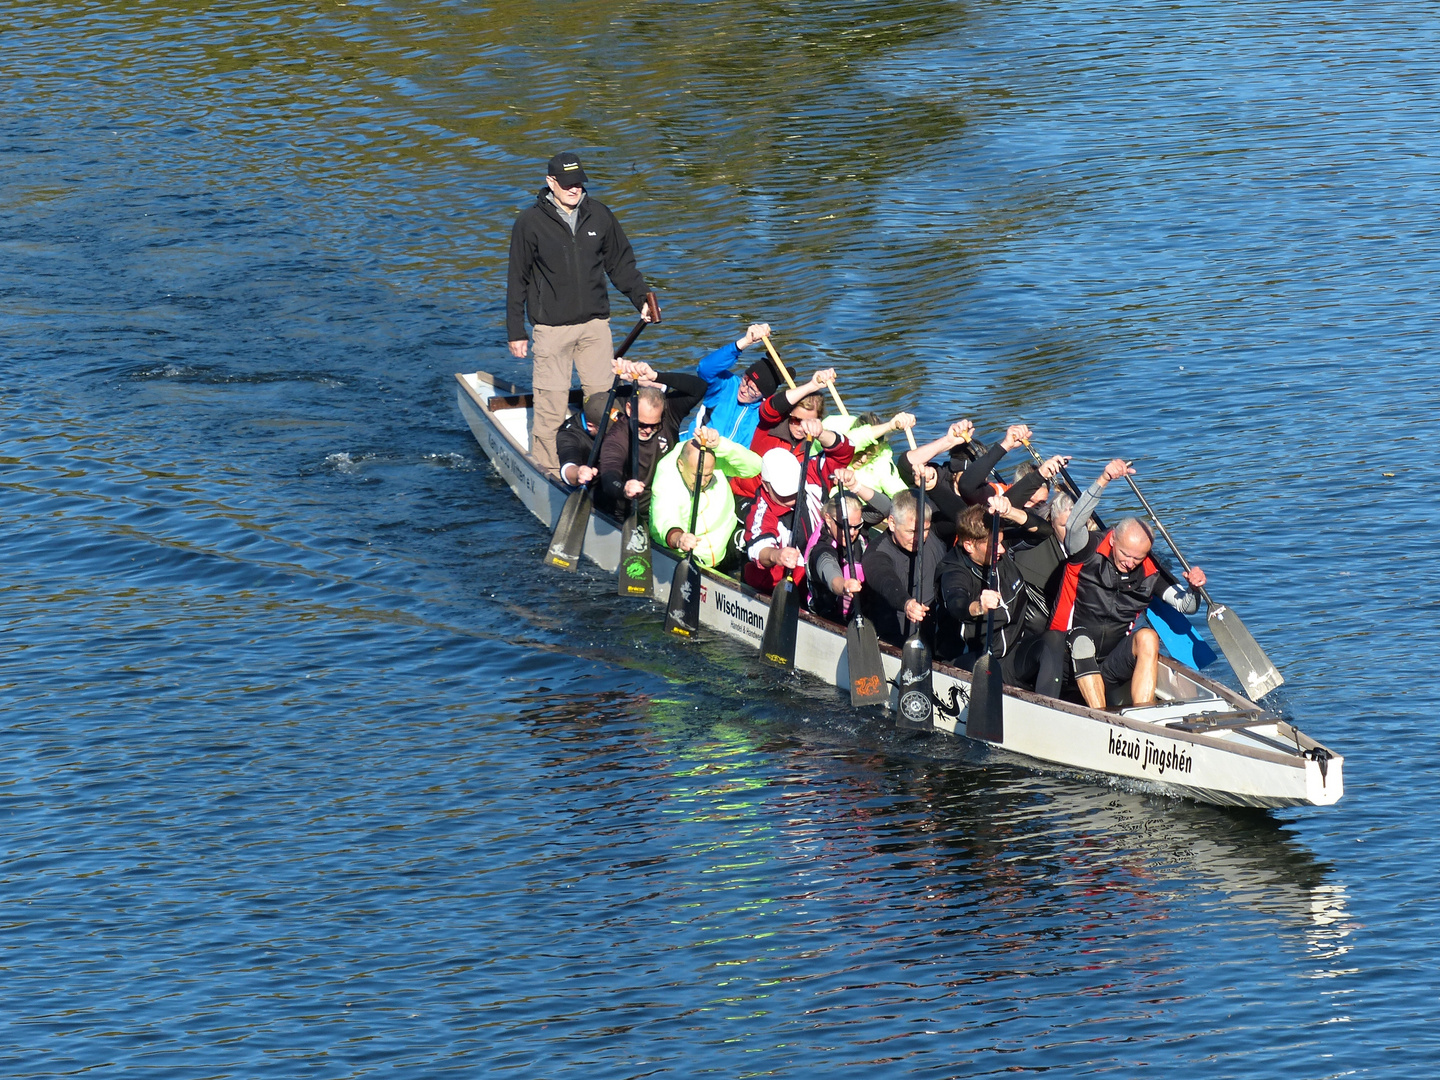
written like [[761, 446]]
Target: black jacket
[[573, 442], [961, 582], [559, 278], [887, 586]]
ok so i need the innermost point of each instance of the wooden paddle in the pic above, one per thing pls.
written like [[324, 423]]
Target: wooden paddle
[[782, 625], [568, 538], [633, 577], [780, 367], [917, 703], [1256, 673], [862, 648], [986, 716], [682, 613]]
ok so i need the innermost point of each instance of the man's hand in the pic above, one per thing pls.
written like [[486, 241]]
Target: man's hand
[[519, 348], [753, 333], [989, 600], [688, 542], [999, 505], [915, 611], [961, 431], [1116, 470], [789, 557], [584, 474], [1195, 576], [852, 586], [642, 372], [902, 421], [633, 488], [1052, 467], [1015, 435], [812, 428], [930, 475], [821, 377], [707, 437]]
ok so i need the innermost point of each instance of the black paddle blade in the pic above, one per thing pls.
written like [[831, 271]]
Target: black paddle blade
[[781, 626], [634, 577], [569, 535], [867, 670], [986, 718], [917, 706], [682, 615]]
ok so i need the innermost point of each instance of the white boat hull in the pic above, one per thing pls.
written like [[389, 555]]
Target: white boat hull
[[1264, 763]]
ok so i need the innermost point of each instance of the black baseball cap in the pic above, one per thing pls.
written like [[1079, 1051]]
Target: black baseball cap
[[566, 168]]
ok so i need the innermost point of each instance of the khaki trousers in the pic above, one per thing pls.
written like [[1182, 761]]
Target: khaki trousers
[[557, 350]]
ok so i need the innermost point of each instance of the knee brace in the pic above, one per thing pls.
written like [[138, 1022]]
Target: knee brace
[[1082, 651]]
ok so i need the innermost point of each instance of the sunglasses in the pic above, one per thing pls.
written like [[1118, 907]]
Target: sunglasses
[[649, 427]]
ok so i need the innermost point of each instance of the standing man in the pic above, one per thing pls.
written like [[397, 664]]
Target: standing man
[[561, 251]]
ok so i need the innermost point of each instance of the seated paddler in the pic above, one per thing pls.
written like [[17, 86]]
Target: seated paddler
[[732, 402], [1106, 587], [888, 598], [662, 400], [835, 565], [969, 598], [672, 499], [575, 438], [771, 538], [874, 464], [789, 419]]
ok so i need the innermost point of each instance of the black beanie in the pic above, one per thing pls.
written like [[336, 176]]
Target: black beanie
[[764, 376]]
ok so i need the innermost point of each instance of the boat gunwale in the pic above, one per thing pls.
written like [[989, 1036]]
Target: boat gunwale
[[518, 398]]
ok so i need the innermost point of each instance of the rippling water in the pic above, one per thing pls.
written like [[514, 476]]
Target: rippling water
[[309, 771]]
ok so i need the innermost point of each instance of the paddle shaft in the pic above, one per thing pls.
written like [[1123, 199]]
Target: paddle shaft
[[847, 545], [695, 498], [778, 364], [992, 577]]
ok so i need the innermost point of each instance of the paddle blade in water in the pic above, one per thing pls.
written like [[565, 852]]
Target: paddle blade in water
[[917, 706], [634, 577], [867, 669], [782, 625], [1257, 674], [986, 718], [569, 535], [682, 615]]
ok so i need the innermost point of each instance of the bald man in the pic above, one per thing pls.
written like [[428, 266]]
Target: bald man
[[1106, 586]]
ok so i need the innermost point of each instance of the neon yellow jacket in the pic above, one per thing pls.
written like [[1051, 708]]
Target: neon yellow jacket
[[874, 465], [670, 499]]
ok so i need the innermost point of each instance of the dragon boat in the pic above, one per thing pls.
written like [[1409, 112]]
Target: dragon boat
[[1200, 740]]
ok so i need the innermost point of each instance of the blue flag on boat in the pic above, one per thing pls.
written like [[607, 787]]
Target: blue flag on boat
[[1179, 637]]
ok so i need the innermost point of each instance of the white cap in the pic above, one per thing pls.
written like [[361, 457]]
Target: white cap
[[781, 471]]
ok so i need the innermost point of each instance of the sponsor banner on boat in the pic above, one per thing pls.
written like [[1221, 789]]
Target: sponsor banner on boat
[[738, 612]]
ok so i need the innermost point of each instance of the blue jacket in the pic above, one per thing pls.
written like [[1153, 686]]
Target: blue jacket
[[722, 408]]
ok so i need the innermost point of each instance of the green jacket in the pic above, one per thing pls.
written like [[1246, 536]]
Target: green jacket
[[671, 500], [874, 465]]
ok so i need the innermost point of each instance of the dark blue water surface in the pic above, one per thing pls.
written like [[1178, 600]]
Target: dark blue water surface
[[309, 771]]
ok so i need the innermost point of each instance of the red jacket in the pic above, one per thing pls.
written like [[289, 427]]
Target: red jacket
[[773, 431]]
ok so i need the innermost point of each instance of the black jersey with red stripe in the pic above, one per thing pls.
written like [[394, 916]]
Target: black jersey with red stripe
[[1096, 595]]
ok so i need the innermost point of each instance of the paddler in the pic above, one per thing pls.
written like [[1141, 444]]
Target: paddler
[[561, 251], [672, 497], [1106, 586], [771, 546], [966, 591], [834, 581], [887, 598], [789, 419], [732, 402], [873, 463], [663, 401]]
